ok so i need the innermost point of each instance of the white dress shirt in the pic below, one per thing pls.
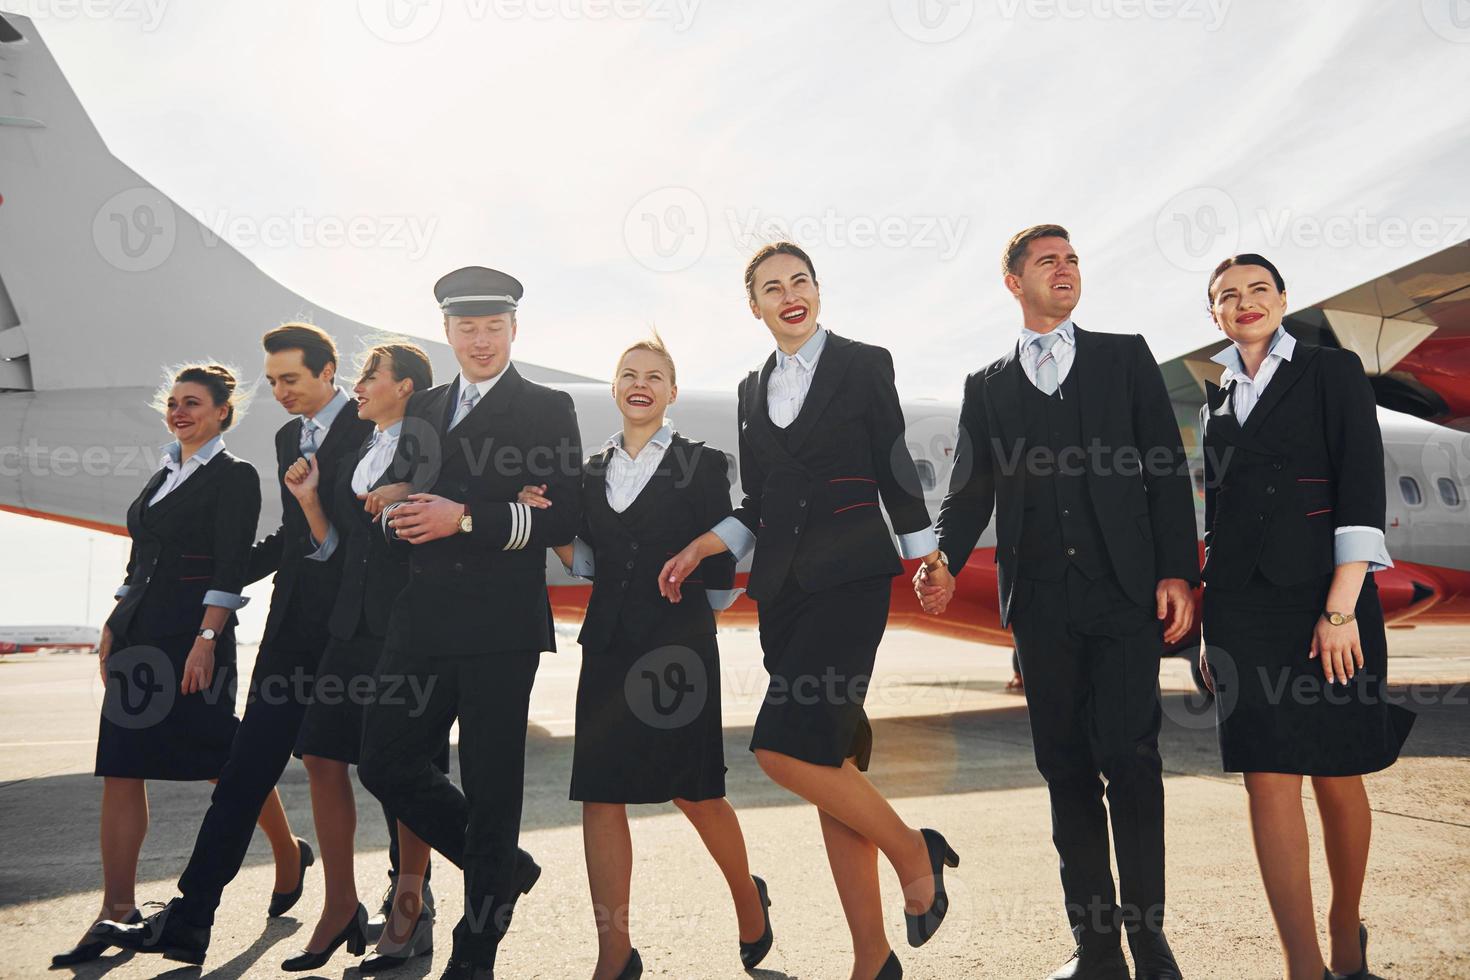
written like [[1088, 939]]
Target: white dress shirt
[[377, 459], [1063, 352], [462, 385]]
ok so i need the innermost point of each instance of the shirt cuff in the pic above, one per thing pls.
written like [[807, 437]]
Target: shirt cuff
[[121, 593], [917, 544], [227, 600], [327, 547], [737, 537], [1361, 544], [583, 563], [722, 599]]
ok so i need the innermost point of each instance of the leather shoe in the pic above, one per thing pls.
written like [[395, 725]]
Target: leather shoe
[[164, 932], [90, 948], [1094, 963], [281, 902], [460, 968], [1152, 957], [420, 943], [751, 954]]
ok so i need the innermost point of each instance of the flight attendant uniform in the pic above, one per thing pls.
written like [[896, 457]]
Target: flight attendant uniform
[[1294, 486], [192, 528], [648, 699], [821, 449]]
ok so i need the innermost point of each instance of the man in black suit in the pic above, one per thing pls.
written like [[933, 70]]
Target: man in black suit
[[1071, 440], [300, 365], [465, 636]]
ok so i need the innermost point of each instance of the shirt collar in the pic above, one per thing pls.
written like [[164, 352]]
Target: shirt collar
[[1283, 345], [204, 454], [809, 352], [383, 435], [484, 386], [662, 438], [324, 418], [1065, 333]]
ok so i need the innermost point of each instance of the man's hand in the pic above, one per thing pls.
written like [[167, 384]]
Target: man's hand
[[104, 647], [375, 500], [426, 517], [934, 585], [303, 477], [1176, 608]]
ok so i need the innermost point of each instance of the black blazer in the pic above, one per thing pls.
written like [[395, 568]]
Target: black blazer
[[373, 571], [195, 540], [1140, 491], [687, 495], [467, 593], [304, 590], [1308, 460], [812, 492]]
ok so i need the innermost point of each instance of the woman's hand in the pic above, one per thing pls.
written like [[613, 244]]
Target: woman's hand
[[1204, 669], [303, 477], [104, 647], [677, 569], [533, 496], [1339, 649], [199, 668], [375, 500]]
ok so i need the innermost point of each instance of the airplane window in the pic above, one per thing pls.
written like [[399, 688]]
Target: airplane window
[[1448, 492], [927, 478], [1409, 487]]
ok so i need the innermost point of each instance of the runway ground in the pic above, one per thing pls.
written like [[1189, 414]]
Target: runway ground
[[952, 751]]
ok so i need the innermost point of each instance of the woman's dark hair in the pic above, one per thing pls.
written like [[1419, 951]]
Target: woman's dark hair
[[217, 379], [775, 248], [407, 361], [1244, 258], [316, 346]]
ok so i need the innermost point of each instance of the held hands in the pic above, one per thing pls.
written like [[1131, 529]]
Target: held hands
[[1204, 669], [374, 501], [934, 585], [303, 477], [1176, 608], [426, 517], [1339, 650], [533, 495], [199, 668]]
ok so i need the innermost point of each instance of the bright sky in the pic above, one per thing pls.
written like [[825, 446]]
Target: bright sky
[[621, 157]]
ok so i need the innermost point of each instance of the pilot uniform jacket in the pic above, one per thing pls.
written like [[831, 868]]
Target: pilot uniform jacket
[[688, 494], [1136, 472], [485, 592], [373, 570], [812, 491], [1308, 460], [304, 589]]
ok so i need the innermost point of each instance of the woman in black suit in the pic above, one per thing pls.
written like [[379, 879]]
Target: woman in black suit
[[167, 653], [821, 448], [648, 699], [331, 731], [1293, 630]]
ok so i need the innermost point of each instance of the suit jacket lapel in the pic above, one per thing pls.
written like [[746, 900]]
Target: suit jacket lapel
[[831, 366], [140, 505], [1005, 399], [190, 485], [1091, 376], [758, 419], [496, 402], [345, 417], [1287, 374]]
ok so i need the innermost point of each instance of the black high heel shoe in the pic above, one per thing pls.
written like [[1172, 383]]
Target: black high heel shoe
[[892, 968], [1361, 973], [90, 949], [922, 927], [281, 902], [751, 954], [633, 969], [420, 943], [355, 936]]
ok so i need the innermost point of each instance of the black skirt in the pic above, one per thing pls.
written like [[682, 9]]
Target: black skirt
[[149, 730], [1275, 710], [819, 650], [648, 724], [346, 683]]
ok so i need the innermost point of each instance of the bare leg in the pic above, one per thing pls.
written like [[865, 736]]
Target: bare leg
[[124, 825], [854, 862], [609, 847], [1347, 827], [719, 828], [1280, 831], [335, 811], [845, 793], [284, 849], [408, 897]]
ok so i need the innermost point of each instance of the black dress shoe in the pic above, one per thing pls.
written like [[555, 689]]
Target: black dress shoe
[[633, 969], [281, 902], [354, 935], [1361, 973], [460, 968], [1152, 957], [90, 949], [1094, 963], [420, 943], [379, 921], [164, 932], [892, 968], [752, 953], [922, 927]]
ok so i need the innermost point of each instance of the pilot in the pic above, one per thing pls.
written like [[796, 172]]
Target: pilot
[[1295, 647]]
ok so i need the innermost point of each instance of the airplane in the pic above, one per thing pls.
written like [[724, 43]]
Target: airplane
[[34, 639], [102, 277]]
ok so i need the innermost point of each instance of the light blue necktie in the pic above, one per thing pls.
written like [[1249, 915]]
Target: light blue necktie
[[466, 404], [1046, 366], [308, 437]]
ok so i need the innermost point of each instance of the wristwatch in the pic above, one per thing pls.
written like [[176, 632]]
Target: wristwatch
[[943, 559], [466, 525], [208, 634], [1339, 619]]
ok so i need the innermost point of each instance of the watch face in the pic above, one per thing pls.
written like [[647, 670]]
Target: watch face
[[1337, 619]]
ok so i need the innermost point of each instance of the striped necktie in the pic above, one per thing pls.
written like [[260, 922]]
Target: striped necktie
[[308, 437], [1046, 366], [466, 404]]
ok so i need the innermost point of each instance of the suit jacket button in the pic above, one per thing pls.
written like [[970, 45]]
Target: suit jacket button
[[459, 566], [1271, 489], [623, 583], [634, 546], [1071, 551], [801, 503], [1276, 466], [629, 566]]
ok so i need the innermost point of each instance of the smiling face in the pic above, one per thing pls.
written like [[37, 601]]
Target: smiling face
[[786, 299], [481, 343], [191, 414], [644, 388], [294, 386], [1049, 283], [381, 398], [1246, 304]]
